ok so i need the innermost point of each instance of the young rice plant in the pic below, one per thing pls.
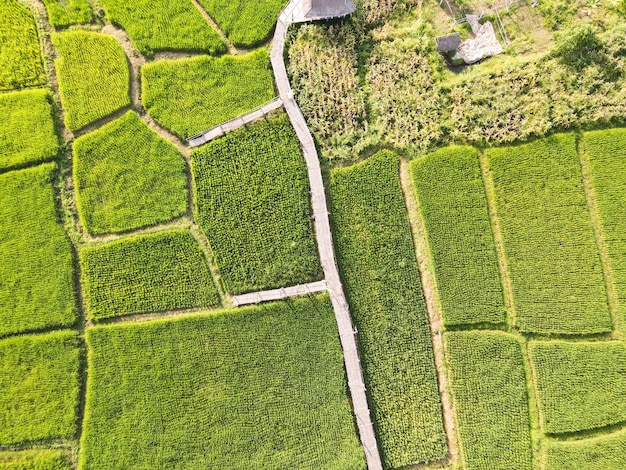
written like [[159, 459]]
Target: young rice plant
[[604, 452], [62, 13], [33, 460]]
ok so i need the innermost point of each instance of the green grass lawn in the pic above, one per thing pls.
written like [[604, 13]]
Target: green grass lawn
[[377, 262], [63, 13], [94, 80], [127, 177], [146, 273], [489, 391], [604, 452], [252, 195], [556, 275], [39, 383], [452, 199], [36, 271], [27, 133], [189, 96], [33, 460], [259, 387]]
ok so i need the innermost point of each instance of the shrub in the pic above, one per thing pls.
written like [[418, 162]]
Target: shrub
[[65, 13], [245, 22], [20, 56], [93, 76], [39, 386], [556, 274], [252, 195], [489, 388], [580, 386], [36, 267], [377, 262], [146, 273], [164, 25], [189, 96], [127, 176], [605, 452], [578, 46], [259, 387], [33, 460], [27, 133]]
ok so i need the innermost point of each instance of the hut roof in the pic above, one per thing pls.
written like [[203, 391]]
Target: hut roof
[[448, 43], [321, 9]]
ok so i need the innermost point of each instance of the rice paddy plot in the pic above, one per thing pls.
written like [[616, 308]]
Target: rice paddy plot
[[377, 262], [33, 460], [146, 273], [94, 80], [27, 133], [20, 57], [164, 25], [39, 386], [258, 387], [36, 265], [252, 194], [453, 203], [189, 96], [63, 13], [127, 177], [605, 452], [554, 264]]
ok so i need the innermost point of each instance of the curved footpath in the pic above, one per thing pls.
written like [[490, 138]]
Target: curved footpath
[[325, 243]]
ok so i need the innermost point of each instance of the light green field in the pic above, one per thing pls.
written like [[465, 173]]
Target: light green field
[[36, 272], [605, 452], [127, 177], [260, 387], [62, 13], [377, 262], [33, 460], [27, 133]]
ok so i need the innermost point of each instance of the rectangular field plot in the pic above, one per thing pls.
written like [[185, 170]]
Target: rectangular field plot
[[453, 202], [376, 257], [556, 275], [260, 387], [580, 386], [36, 267], [20, 56], [33, 460], [491, 400], [253, 204], [160, 25], [189, 96], [607, 452], [39, 386], [606, 152], [62, 13], [146, 273], [27, 133], [94, 80]]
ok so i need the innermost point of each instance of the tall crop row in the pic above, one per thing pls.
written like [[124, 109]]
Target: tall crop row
[[127, 177], [377, 261], [146, 273], [36, 271], [62, 13], [94, 80], [252, 193], [452, 198], [489, 389], [164, 25], [189, 96], [260, 387], [555, 269]]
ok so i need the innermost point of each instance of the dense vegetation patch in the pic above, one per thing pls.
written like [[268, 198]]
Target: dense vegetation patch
[[63, 13], [377, 262], [607, 452], [580, 386], [36, 271], [93, 75], [246, 23], [189, 96], [38, 387], [556, 275], [164, 25], [27, 132], [20, 57], [453, 203], [489, 389], [146, 273], [252, 193], [606, 151], [127, 177], [261, 387], [33, 460]]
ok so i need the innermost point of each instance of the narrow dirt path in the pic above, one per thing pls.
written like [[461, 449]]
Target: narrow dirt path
[[232, 50]]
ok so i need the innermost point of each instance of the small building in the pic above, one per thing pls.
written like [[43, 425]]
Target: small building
[[448, 43], [312, 10]]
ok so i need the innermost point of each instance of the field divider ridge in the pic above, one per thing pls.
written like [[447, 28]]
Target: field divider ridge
[[278, 294], [324, 239]]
